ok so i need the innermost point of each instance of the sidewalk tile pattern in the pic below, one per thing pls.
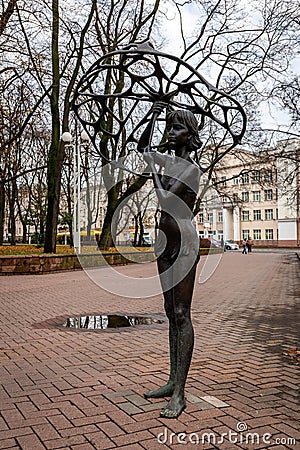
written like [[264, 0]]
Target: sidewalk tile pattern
[[83, 390]]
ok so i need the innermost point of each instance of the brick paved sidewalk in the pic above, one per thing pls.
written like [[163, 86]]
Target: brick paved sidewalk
[[80, 390]]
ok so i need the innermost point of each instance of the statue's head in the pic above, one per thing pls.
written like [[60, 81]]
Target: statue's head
[[187, 118]]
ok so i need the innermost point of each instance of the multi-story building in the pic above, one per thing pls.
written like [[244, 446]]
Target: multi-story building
[[251, 194], [254, 195], [288, 186]]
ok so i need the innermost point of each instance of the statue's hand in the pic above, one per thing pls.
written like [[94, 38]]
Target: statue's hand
[[158, 107], [149, 159]]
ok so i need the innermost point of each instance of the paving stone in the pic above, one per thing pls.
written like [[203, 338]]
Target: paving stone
[[154, 406], [129, 408], [132, 438], [83, 447], [62, 389], [137, 400], [45, 432], [8, 444], [214, 401], [65, 442], [193, 398], [30, 442], [111, 429]]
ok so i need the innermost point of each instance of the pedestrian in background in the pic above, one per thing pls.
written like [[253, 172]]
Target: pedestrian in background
[[249, 244], [244, 244]]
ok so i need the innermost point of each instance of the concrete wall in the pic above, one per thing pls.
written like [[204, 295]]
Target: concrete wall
[[40, 264]]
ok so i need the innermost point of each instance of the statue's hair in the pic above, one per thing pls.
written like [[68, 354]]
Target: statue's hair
[[189, 120]]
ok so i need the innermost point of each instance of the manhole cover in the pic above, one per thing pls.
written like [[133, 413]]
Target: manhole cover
[[102, 322]]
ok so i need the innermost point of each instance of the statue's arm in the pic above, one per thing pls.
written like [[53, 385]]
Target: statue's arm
[[143, 146], [146, 136], [144, 141], [190, 177]]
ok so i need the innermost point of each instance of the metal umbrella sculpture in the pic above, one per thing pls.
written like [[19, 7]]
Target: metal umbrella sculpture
[[136, 82], [122, 86]]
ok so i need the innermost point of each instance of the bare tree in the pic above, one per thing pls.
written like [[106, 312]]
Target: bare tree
[[7, 12], [56, 152], [245, 50], [124, 22]]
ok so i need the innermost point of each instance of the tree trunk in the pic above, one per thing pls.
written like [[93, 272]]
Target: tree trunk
[[136, 230], [12, 195], [56, 149], [141, 227], [24, 232], [70, 219], [88, 207], [42, 231], [2, 209], [12, 224], [6, 15], [106, 240], [54, 174]]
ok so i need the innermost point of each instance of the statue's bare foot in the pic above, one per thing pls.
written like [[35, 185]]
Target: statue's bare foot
[[164, 391], [174, 408]]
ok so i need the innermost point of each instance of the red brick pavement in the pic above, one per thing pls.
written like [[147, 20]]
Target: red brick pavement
[[81, 390]]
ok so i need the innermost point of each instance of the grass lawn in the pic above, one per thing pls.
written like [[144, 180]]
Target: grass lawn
[[27, 249]]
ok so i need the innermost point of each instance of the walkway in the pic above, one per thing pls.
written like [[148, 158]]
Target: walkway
[[81, 390]]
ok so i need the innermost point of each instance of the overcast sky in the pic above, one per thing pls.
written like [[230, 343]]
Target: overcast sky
[[271, 117]]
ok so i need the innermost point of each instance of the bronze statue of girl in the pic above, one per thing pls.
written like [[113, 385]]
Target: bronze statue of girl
[[177, 246]]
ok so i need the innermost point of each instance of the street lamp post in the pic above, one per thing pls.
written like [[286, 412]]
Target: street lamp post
[[67, 138], [84, 141]]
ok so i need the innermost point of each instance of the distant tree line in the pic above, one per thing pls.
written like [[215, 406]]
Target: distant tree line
[[46, 46]]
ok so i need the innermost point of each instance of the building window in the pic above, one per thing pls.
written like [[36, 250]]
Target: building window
[[257, 234], [257, 214], [235, 198], [210, 217], [223, 181], [245, 178], [245, 216], [245, 234], [256, 176], [220, 216], [268, 194], [245, 196], [235, 181], [201, 218], [269, 234], [256, 196], [269, 214], [268, 176]]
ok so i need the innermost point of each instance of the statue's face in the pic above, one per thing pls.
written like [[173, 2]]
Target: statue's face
[[178, 135]]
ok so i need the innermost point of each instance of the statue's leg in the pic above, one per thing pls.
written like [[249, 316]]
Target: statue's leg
[[167, 390], [185, 342]]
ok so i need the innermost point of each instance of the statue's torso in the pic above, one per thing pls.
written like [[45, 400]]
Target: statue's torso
[[176, 233]]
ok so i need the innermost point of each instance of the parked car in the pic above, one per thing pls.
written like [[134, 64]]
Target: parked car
[[231, 245], [209, 243], [147, 241]]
